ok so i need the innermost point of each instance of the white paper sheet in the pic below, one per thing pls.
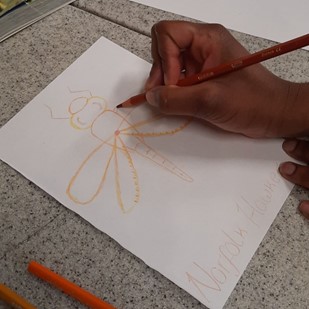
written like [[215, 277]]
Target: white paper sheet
[[191, 202], [275, 20]]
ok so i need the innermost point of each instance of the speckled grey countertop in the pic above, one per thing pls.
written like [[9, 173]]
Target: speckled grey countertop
[[35, 226]]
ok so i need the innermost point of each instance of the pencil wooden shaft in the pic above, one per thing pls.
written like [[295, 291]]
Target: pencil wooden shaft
[[13, 299], [68, 287], [246, 61]]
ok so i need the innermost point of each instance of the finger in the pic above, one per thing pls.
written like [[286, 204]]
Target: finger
[[192, 101], [191, 64], [304, 209], [160, 57], [295, 173], [155, 77], [171, 39], [156, 73], [297, 149]]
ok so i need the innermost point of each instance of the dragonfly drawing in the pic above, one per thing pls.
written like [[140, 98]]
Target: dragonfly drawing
[[120, 135]]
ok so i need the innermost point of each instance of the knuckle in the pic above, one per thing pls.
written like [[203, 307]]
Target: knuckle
[[218, 27], [160, 26], [219, 33]]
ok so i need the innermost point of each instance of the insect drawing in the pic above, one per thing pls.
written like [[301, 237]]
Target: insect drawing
[[120, 135]]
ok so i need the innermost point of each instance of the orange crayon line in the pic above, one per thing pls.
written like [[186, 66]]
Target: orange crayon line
[[67, 287], [13, 299], [230, 66]]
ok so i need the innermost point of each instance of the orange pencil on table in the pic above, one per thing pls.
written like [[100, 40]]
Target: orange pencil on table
[[67, 287], [13, 299], [234, 65]]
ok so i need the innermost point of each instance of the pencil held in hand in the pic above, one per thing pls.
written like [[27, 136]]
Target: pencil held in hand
[[137, 99], [234, 65]]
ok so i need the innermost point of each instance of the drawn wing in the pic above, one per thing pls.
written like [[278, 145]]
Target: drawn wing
[[135, 127], [88, 180], [141, 148], [126, 177], [147, 123]]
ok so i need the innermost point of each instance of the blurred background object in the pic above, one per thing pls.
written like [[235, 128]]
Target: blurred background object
[[7, 5], [16, 15]]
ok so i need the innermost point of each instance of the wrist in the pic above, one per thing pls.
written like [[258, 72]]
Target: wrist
[[293, 114]]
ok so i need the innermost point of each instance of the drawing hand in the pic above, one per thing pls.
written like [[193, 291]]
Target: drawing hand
[[296, 173], [252, 101]]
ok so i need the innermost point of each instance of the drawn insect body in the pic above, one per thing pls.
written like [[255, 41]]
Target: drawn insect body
[[92, 113]]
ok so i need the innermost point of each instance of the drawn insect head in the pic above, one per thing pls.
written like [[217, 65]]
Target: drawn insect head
[[84, 110]]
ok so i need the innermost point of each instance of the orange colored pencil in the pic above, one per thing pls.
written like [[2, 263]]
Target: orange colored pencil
[[13, 299], [67, 287], [234, 65]]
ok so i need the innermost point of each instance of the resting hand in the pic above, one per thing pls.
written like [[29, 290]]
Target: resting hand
[[296, 173]]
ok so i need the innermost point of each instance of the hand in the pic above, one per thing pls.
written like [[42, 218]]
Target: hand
[[296, 173], [252, 101]]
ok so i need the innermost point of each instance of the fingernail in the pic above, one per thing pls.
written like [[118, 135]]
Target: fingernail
[[152, 97], [304, 209], [287, 168], [289, 145]]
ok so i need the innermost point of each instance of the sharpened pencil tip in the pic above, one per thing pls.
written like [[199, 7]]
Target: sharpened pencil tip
[[124, 104], [133, 101]]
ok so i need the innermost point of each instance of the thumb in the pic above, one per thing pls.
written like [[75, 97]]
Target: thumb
[[189, 101]]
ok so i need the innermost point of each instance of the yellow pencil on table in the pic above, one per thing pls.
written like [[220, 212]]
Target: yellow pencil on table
[[67, 287], [13, 299]]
